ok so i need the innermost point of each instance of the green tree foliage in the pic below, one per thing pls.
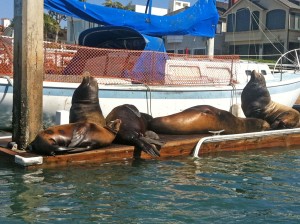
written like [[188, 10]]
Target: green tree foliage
[[57, 18], [50, 26], [118, 5]]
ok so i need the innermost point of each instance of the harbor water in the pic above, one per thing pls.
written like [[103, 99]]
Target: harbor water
[[246, 187]]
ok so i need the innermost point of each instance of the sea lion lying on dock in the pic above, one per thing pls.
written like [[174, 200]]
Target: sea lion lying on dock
[[257, 103], [74, 137], [204, 118], [133, 130], [85, 103]]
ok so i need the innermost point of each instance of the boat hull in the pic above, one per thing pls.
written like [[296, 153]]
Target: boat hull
[[154, 100]]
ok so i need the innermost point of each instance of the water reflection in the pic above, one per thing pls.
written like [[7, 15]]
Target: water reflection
[[241, 187]]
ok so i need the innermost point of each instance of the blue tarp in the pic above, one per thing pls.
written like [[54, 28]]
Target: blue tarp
[[198, 20]]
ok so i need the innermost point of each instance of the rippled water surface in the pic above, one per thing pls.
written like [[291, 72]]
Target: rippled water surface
[[248, 187]]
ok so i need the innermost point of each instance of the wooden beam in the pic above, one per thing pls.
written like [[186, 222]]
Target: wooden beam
[[28, 70]]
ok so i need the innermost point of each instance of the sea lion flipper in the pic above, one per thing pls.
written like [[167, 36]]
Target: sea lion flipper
[[153, 141], [62, 149], [79, 135], [148, 148]]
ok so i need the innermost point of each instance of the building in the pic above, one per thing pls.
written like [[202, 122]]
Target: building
[[154, 10], [175, 5], [5, 22], [263, 28], [196, 45]]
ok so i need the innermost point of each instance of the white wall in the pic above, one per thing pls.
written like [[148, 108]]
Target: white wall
[[154, 10], [5, 22]]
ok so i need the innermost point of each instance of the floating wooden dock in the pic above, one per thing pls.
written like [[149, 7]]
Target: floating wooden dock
[[176, 145]]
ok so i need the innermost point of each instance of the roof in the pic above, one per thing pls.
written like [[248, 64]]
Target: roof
[[222, 7], [291, 3], [255, 2]]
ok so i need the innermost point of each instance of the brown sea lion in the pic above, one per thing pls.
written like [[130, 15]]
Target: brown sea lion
[[74, 137], [257, 103], [204, 118], [85, 103], [133, 130]]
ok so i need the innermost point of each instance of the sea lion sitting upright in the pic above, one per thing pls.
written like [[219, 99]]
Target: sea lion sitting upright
[[74, 137], [204, 118], [85, 103], [133, 130], [257, 103]]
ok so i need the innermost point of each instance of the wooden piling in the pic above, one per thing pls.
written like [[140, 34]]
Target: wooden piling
[[28, 70]]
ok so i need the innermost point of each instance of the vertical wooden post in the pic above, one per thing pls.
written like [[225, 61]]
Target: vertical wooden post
[[28, 70]]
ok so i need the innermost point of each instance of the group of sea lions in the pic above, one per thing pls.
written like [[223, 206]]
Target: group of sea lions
[[88, 129], [125, 124]]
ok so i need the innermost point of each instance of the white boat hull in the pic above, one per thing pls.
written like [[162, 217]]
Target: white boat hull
[[154, 100]]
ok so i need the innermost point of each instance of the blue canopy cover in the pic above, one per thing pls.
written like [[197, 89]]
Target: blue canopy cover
[[198, 20]]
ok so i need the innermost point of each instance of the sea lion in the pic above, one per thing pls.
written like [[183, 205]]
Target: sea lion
[[74, 137], [133, 130], [85, 103], [257, 103], [203, 119]]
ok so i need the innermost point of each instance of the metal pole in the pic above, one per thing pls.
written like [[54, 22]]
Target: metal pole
[[210, 46]]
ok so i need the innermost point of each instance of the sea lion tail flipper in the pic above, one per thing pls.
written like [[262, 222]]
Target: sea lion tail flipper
[[151, 141], [151, 134], [152, 138], [143, 145]]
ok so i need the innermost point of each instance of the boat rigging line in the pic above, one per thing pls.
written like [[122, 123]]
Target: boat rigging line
[[148, 100]]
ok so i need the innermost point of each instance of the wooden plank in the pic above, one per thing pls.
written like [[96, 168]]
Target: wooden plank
[[28, 70], [175, 146], [267, 142]]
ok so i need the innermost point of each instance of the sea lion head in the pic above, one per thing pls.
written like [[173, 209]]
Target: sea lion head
[[258, 78], [87, 91]]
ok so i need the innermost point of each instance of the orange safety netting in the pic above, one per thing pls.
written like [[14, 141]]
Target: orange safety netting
[[67, 63]]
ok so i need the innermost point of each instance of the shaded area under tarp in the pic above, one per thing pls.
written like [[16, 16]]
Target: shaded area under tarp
[[116, 37], [198, 20], [148, 58]]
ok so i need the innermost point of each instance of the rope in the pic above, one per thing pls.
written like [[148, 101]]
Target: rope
[[233, 95]]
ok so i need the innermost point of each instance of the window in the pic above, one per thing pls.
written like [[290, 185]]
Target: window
[[279, 23], [263, 72], [255, 20], [295, 21], [230, 22], [269, 49], [219, 28], [243, 20], [200, 51], [248, 72]]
